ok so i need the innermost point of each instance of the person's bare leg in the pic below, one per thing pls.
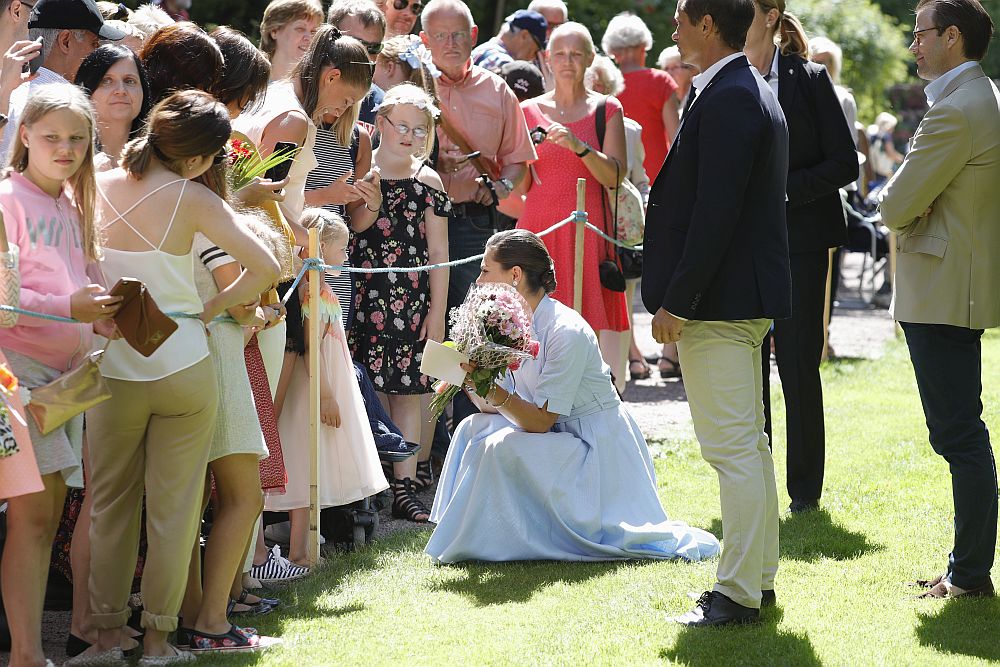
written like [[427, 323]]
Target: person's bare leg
[[193, 591], [32, 521], [405, 414], [260, 547], [237, 482], [427, 427], [298, 540], [283, 381], [611, 351]]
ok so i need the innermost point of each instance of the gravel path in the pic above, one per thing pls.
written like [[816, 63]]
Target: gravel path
[[659, 405]]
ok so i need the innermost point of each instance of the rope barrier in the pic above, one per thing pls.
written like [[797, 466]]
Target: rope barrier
[[620, 244], [70, 320], [314, 264]]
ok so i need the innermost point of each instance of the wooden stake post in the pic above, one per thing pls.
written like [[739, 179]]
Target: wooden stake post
[[581, 205], [314, 382]]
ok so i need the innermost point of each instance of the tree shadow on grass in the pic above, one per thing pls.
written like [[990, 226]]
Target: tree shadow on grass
[[759, 644], [489, 584], [810, 536], [967, 627]]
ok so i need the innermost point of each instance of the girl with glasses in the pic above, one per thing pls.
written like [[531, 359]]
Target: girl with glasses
[[397, 313]]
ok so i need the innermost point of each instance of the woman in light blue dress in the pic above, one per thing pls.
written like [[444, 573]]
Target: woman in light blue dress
[[554, 468]]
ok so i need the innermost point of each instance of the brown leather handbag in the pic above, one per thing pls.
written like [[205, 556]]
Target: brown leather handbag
[[141, 323]]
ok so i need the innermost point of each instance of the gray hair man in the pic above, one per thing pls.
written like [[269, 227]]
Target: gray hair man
[[69, 31]]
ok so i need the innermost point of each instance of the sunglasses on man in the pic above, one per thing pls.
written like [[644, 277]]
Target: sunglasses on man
[[373, 48], [415, 7]]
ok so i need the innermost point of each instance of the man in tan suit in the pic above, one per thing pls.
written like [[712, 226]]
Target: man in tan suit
[[944, 204]]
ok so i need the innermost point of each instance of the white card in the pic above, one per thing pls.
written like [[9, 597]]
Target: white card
[[443, 362]]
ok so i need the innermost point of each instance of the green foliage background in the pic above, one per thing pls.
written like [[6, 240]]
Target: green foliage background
[[872, 33]]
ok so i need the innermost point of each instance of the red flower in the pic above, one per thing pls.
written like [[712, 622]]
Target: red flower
[[533, 348], [8, 381]]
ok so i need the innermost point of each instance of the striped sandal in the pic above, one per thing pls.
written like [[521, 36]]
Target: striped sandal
[[425, 475], [406, 504]]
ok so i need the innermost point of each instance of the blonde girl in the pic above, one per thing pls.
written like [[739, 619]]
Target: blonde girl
[[47, 202], [349, 465], [397, 312]]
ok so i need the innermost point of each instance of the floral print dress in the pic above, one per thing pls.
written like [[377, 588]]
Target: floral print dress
[[390, 307]]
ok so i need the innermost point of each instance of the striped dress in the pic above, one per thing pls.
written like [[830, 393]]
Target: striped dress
[[335, 160]]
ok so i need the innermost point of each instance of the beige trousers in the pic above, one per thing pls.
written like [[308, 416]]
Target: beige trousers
[[150, 437], [722, 378]]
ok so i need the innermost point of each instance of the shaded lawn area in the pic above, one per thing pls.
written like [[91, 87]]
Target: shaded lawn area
[[842, 597]]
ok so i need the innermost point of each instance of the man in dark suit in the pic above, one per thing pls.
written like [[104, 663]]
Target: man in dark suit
[[821, 160], [716, 276]]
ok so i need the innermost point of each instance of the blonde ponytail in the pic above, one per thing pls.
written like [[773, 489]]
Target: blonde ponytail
[[793, 40]]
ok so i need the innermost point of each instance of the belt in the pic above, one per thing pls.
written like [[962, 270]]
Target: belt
[[469, 209]]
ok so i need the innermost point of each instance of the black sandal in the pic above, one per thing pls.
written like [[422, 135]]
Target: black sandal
[[673, 371], [271, 602], [425, 475], [406, 504]]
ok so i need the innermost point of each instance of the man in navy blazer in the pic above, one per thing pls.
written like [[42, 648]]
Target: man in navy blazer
[[716, 275]]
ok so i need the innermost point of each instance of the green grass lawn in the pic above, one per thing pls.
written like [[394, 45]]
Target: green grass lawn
[[842, 598]]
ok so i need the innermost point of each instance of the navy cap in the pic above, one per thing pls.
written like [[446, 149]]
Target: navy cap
[[531, 21], [72, 15], [523, 78]]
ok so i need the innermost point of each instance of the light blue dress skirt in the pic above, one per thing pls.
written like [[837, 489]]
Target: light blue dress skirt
[[585, 491]]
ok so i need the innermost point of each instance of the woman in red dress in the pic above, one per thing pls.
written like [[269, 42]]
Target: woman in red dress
[[571, 150]]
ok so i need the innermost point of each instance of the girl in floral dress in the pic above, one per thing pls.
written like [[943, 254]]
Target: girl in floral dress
[[396, 312]]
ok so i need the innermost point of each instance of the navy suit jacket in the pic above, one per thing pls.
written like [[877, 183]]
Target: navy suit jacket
[[821, 157], [716, 245]]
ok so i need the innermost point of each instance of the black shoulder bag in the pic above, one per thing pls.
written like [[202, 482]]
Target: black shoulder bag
[[626, 261]]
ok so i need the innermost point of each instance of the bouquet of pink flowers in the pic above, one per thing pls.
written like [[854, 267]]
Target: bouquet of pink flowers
[[493, 328]]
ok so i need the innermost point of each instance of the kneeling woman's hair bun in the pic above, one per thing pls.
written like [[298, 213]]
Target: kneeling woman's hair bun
[[519, 247]]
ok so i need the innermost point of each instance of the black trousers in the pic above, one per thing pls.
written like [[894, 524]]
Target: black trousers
[[798, 349], [947, 362]]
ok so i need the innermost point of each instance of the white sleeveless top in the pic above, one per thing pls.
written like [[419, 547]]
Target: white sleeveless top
[[170, 281], [279, 100]]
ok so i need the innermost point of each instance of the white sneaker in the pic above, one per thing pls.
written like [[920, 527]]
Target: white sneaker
[[277, 568]]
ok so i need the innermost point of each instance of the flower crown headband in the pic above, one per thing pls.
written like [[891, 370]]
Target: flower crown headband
[[423, 105]]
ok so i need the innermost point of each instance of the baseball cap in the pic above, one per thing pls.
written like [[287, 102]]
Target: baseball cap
[[72, 15], [531, 21], [523, 78]]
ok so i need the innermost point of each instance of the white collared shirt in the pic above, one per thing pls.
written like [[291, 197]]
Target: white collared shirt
[[772, 77], [701, 81], [934, 89]]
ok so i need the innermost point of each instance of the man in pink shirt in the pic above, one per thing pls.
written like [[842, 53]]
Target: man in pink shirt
[[479, 106]]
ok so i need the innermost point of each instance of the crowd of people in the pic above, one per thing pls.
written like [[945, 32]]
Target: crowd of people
[[125, 133]]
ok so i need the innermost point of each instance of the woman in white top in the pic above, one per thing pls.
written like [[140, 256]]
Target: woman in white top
[[328, 81], [154, 434]]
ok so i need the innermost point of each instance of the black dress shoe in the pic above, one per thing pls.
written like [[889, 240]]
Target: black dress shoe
[[715, 609], [800, 506], [768, 599]]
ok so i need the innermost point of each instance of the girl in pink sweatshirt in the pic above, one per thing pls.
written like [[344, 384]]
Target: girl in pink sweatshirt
[[47, 202]]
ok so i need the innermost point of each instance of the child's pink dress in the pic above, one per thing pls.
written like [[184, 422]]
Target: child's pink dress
[[349, 467], [18, 472]]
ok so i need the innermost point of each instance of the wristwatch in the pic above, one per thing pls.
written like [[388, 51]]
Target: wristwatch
[[507, 184]]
